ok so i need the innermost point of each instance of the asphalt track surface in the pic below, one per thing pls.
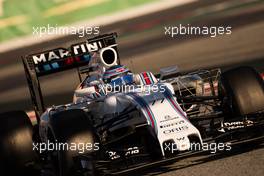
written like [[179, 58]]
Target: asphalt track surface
[[242, 160], [143, 46]]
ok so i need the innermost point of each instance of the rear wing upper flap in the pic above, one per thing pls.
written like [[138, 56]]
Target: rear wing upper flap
[[60, 59]]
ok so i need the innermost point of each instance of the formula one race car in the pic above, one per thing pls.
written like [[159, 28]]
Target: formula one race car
[[120, 121]]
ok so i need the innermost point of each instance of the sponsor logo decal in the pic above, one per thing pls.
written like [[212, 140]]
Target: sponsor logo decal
[[180, 139], [50, 55], [86, 48], [176, 129], [235, 125], [168, 118], [238, 124], [113, 155], [61, 53], [172, 124], [132, 151]]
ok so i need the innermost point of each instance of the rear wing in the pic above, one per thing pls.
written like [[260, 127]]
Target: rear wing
[[61, 59]]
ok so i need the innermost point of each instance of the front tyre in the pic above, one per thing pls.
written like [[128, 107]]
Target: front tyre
[[244, 89], [73, 127], [16, 144]]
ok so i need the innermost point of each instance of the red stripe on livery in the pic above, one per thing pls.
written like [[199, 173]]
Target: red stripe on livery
[[148, 82], [151, 118]]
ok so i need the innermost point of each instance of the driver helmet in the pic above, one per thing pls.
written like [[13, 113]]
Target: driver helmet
[[118, 75]]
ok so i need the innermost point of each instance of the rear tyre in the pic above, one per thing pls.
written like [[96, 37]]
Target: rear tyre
[[16, 144], [73, 127], [243, 88]]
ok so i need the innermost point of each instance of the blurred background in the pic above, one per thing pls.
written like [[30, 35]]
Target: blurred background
[[143, 44]]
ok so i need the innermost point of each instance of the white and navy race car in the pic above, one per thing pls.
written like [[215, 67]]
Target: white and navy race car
[[119, 120]]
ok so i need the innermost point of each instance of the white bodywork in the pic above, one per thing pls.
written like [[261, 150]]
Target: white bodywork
[[167, 118], [159, 107]]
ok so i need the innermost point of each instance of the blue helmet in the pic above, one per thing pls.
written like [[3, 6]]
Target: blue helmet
[[118, 75]]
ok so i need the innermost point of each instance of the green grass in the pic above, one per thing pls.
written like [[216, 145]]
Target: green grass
[[34, 10]]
